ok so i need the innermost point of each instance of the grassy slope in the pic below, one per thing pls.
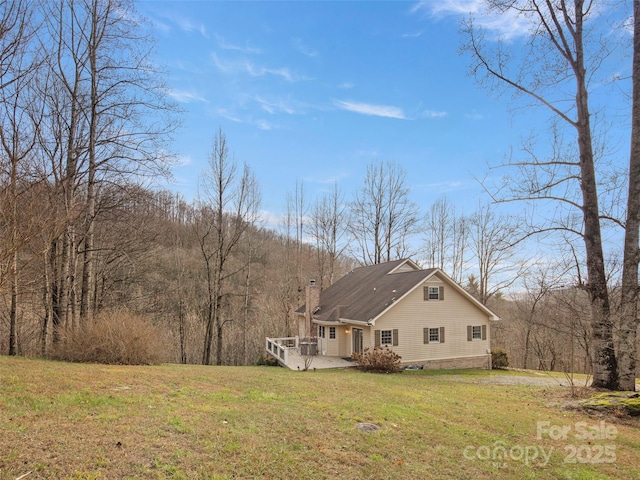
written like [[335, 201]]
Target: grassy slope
[[60, 420]]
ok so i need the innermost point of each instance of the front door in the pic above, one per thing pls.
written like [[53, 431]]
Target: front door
[[357, 340]]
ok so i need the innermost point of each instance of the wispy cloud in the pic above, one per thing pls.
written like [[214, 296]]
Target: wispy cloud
[[222, 65], [161, 26], [276, 106], [255, 70], [259, 71], [346, 85], [225, 113], [264, 125], [182, 161], [166, 20], [303, 48], [370, 109], [246, 118], [183, 96], [432, 114], [448, 7], [507, 25], [186, 66], [189, 26], [225, 45]]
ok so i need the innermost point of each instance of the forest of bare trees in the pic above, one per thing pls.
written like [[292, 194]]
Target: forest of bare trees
[[85, 235]]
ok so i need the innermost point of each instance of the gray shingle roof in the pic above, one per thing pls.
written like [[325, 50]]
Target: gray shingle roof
[[362, 294]]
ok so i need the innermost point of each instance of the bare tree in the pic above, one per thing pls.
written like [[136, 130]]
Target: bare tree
[[382, 216], [437, 224], [20, 115], [297, 209], [537, 288], [288, 283], [557, 59], [229, 207], [459, 235], [491, 239], [446, 238], [328, 228]]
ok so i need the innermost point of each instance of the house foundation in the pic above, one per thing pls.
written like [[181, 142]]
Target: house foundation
[[461, 363]]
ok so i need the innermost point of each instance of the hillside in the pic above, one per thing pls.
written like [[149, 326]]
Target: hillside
[[62, 420]]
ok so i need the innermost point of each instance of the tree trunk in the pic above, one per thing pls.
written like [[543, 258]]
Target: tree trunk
[[87, 288], [47, 295], [219, 338], [13, 314], [605, 371], [525, 356], [208, 336], [219, 323], [627, 361], [86, 301], [183, 333]]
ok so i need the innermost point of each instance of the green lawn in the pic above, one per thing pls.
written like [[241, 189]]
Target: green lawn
[[61, 420]]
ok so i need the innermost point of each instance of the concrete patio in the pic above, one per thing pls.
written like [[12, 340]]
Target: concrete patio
[[295, 361]]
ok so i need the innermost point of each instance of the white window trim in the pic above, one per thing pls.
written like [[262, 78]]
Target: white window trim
[[476, 332], [437, 334], [434, 293], [382, 335]]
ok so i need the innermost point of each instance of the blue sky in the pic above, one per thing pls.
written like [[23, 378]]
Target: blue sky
[[316, 91]]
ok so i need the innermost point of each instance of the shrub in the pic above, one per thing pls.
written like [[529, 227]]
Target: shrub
[[267, 361], [114, 338], [499, 359], [381, 360]]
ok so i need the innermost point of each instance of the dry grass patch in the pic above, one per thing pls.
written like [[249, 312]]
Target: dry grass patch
[[61, 420]]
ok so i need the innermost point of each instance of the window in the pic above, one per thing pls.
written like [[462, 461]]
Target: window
[[386, 337], [332, 332], [476, 332], [434, 335], [433, 293], [321, 332]]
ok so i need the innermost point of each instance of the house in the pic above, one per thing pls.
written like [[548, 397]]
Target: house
[[421, 314]]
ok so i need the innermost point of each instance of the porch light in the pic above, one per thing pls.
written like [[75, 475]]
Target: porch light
[[346, 330]]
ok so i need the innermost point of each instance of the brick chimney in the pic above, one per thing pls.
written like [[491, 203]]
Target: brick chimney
[[312, 301]]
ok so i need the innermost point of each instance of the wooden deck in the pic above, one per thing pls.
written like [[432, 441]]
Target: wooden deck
[[287, 352]]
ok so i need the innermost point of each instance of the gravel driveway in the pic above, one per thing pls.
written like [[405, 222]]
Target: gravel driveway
[[537, 381]]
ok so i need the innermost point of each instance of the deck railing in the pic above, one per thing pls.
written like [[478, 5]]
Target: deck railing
[[279, 347]]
